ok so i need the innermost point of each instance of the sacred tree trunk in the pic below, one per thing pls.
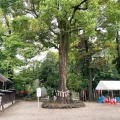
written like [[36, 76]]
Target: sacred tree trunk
[[63, 52]]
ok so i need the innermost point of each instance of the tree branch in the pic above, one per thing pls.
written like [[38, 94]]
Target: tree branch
[[78, 7], [73, 30], [33, 8], [53, 45], [29, 12], [53, 31], [7, 23]]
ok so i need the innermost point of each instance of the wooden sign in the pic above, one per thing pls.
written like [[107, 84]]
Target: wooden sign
[[38, 95], [38, 92]]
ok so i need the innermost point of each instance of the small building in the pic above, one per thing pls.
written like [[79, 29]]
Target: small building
[[4, 82], [6, 93]]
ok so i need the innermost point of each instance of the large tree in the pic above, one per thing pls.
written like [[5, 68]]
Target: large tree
[[65, 18], [15, 38], [112, 24], [54, 23]]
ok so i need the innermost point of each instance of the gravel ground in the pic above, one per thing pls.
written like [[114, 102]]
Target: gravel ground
[[24, 110]]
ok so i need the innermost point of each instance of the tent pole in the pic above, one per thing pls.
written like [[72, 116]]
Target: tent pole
[[112, 93]]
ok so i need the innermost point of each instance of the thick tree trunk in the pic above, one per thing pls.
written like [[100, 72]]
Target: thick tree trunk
[[90, 85], [89, 72], [63, 52]]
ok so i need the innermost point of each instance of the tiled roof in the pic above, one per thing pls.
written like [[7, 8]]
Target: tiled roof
[[4, 79]]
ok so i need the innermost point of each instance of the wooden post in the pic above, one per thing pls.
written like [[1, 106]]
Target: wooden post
[[1, 104]]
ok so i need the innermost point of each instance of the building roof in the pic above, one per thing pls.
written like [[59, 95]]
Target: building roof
[[108, 85], [4, 79]]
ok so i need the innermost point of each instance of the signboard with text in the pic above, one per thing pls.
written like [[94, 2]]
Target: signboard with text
[[38, 92]]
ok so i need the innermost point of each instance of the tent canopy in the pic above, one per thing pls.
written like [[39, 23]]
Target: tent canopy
[[108, 85]]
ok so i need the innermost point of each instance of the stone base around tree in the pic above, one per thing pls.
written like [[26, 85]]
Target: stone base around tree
[[55, 105]]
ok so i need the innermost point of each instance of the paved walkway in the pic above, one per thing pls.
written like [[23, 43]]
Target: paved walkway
[[24, 110]]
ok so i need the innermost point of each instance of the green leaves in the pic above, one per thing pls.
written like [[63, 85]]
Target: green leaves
[[29, 52], [50, 21], [21, 24], [74, 82], [112, 11], [49, 70], [11, 44]]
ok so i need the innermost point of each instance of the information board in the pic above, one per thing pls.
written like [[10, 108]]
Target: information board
[[38, 92]]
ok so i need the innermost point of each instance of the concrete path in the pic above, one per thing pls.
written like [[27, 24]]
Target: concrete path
[[24, 110]]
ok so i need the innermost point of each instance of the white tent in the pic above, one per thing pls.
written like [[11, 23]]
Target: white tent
[[108, 85]]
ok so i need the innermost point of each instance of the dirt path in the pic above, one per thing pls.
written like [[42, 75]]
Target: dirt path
[[29, 111]]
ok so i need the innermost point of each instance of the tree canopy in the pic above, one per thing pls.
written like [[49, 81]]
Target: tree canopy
[[85, 32]]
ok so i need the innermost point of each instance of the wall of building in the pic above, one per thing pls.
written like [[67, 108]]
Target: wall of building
[[8, 96]]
